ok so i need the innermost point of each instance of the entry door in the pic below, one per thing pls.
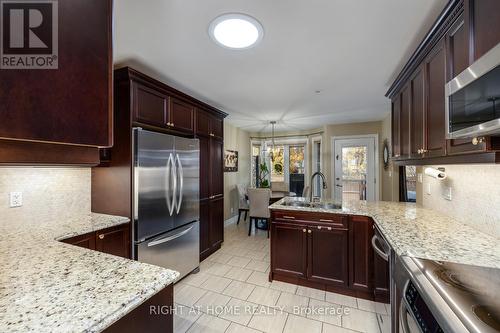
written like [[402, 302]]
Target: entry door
[[354, 176]]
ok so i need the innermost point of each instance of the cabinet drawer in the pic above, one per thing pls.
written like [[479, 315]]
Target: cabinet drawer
[[333, 220]]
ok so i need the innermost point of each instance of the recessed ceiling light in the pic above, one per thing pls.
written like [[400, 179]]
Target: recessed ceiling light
[[236, 31]]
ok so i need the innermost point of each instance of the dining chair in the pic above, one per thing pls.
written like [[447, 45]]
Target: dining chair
[[259, 207], [243, 202], [279, 187]]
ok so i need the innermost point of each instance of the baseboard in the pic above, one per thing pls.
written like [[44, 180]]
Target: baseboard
[[231, 220]]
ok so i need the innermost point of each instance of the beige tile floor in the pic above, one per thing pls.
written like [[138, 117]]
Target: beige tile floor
[[232, 293]]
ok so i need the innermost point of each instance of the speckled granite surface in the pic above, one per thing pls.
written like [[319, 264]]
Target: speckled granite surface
[[422, 233], [49, 286]]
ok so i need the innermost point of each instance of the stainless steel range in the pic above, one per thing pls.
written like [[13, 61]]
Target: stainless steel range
[[437, 297]]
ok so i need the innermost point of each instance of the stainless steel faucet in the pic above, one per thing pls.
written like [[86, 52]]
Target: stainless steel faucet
[[317, 173]]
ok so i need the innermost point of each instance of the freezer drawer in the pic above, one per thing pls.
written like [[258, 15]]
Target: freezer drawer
[[178, 249]]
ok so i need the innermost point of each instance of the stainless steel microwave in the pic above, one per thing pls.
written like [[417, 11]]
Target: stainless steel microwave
[[473, 99]]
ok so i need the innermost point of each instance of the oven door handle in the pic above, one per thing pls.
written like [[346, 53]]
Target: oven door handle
[[403, 316]]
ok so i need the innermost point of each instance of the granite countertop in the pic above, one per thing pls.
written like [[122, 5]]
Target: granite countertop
[[419, 232], [50, 286]]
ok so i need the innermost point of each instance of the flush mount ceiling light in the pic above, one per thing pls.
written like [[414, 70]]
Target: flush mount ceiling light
[[236, 31]]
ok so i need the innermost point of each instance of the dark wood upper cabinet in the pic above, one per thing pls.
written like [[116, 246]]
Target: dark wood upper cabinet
[[289, 249], [181, 115], [435, 66], [149, 105], [457, 48], [396, 131], [328, 256], [205, 164], [70, 106], [361, 253], [483, 18], [417, 120], [217, 126], [209, 125], [404, 126], [216, 168]]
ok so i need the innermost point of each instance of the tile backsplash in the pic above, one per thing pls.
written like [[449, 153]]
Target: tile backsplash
[[475, 195], [48, 193]]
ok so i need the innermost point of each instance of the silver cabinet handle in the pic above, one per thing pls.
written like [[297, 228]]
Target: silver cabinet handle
[[168, 199], [309, 231], [304, 230], [288, 217], [101, 236], [325, 220], [170, 238], [379, 251], [181, 183], [329, 228], [319, 227]]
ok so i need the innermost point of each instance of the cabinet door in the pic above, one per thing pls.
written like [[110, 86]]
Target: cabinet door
[[202, 123], [114, 241], [217, 127], [86, 241], [328, 256], [396, 133], [381, 279], [73, 103], [484, 24], [181, 115], [216, 168], [204, 167], [289, 249], [405, 122], [457, 48], [216, 221], [361, 253], [435, 67], [149, 105], [417, 113], [204, 227]]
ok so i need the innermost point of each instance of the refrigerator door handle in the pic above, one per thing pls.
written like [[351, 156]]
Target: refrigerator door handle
[[181, 183], [170, 238], [168, 176]]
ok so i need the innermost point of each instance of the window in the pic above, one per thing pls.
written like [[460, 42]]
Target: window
[[408, 184], [296, 161], [278, 164], [316, 166], [256, 151]]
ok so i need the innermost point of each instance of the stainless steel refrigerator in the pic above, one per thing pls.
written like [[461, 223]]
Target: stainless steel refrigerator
[[166, 200]]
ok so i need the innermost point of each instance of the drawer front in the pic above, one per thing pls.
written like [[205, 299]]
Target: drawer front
[[336, 221]]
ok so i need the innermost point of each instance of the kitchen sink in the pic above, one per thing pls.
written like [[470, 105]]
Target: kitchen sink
[[326, 205], [296, 204], [303, 203]]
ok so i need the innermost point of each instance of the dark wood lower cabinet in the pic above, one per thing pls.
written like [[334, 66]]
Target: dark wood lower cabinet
[[211, 226], [153, 316], [327, 255], [289, 249], [327, 260], [114, 240]]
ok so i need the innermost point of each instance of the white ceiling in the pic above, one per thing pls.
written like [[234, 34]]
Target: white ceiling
[[350, 50]]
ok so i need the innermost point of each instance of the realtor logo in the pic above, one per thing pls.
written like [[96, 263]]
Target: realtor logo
[[29, 34]]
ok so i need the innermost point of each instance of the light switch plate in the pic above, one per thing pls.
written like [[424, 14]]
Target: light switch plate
[[428, 189], [16, 199], [420, 178]]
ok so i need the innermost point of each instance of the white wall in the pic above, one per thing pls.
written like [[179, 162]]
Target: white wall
[[475, 195], [239, 140], [48, 193]]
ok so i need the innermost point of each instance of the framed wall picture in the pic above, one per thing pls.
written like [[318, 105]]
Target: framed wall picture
[[230, 161]]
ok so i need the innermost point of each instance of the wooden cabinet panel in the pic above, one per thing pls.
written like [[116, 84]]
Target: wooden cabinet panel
[[404, 126], [149, 104], [204, 167], [86, 241], [396, 132], [216, 226], [328, 256], [435, 116], [457, 48], [204, 228], [217, 127], [361, 253], [181, 115], [202, 123], [484, 24], [114, 241], [289, 249], [216, 167], [381, 279], [417, 113], [73, 103]]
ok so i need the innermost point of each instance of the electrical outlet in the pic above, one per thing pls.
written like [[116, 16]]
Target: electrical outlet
[[420, 178], [447, 193], [232, 210], [16, 199], [428, 189]]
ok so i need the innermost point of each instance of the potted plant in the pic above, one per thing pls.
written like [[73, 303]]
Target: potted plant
[[263, 174]]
